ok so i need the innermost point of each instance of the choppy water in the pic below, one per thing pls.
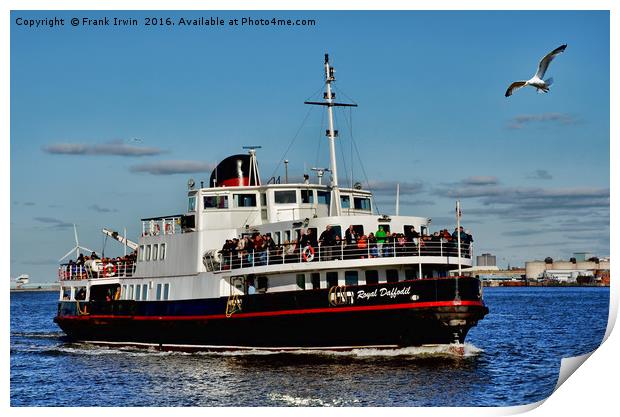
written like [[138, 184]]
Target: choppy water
[[511, 358]]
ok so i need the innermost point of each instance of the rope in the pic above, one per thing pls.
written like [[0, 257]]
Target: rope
[[296, 134], [374, 201]]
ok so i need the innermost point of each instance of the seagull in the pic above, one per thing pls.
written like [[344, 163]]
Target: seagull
[[536, 81]]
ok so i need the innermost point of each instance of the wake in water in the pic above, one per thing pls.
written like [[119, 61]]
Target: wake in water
[[435, 351]]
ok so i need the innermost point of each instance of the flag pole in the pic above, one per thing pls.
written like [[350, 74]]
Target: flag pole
[[458, 231]]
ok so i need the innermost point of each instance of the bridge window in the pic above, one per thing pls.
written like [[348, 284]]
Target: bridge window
[[307, 196], [323, 197], [315, 277], [301, 281], [372, 276], [147, 256], [155, 250], [245, 200], [331, 278], [391, 275], [191, 203], [216, 201], [345, 201], [285, 197], [162, 251], [361, 203], [350, 278]]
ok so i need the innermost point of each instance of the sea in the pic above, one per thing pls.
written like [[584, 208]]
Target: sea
[[511, 358]]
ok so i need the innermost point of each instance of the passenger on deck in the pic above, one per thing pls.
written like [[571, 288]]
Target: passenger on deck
[[327, 241], [380, 236], [350, 237], [372, 245]]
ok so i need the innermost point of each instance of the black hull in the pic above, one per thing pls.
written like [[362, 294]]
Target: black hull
[[437, 314]]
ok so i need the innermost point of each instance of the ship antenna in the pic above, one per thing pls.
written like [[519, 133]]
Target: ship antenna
[[329, 102]]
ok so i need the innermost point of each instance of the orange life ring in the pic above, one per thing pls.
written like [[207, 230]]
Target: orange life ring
[[107, 272], [308, 253]]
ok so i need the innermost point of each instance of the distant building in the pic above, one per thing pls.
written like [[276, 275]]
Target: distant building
[[486, 259], [565, 270]]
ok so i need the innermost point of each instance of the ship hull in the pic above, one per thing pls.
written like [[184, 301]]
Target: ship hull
[[409, 313]]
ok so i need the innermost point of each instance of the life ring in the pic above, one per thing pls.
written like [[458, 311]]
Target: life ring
[[308, 253], [167, 228], [109, 270]]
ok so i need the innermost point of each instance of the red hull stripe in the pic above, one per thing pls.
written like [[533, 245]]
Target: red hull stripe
[[285, 312]]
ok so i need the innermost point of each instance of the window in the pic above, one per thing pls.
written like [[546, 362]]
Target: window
[[166, 291], [130, 294], [301, 281], [361, 203], [158, 292], [216, 201], [145, 292], [345, 201], [315, 277], [162, 251], [277, 238], [391, 275], [191, 203], [262, 284], [287, 235], [124, 292], [244, 200], [350, 278], [147, 256], [410, 274], [155, 250], [138, 292], [331, 278], [337, 230], [359, 229], [307, 196], [386, 227], [263, 199], [323, 197], [141, 253], [285, 197], [372, 276]]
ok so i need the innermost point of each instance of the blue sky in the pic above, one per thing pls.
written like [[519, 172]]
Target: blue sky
[[107, 124]]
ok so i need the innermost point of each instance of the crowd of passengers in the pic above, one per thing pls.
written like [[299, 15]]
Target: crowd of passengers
[[95, 267], [258, 249]]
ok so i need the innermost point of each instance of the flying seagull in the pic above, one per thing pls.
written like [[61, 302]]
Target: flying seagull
[[537, 80]]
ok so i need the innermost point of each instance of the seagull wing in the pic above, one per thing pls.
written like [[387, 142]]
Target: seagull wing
[[514, 87], [544, 63]]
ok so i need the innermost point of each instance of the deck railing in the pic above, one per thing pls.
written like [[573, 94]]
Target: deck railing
[[161, 226], [291, 253], [90, 270]]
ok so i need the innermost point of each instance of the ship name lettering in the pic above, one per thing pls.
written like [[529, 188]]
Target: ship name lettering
[[383, 292]]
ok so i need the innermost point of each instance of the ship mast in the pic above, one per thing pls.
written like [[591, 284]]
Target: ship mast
[[328, 96]]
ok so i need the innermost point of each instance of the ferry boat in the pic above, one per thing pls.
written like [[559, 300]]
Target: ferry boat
[[278, 266]]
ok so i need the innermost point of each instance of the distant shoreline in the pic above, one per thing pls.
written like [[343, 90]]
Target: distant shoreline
[[46, 289]]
